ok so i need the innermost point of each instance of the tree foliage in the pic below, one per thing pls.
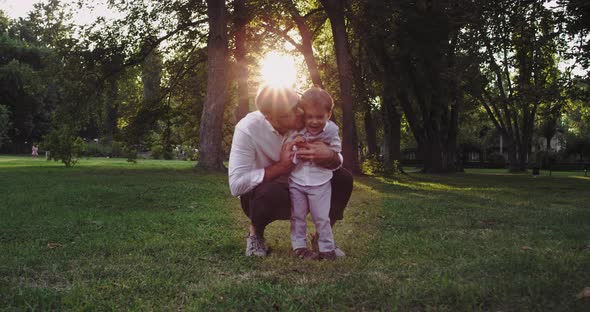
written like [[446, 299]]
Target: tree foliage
[[169, 77]]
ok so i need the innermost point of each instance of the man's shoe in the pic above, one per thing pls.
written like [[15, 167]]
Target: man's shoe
[[339, 253], [255, 246]]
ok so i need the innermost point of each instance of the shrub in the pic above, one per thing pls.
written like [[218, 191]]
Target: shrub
[[157, 151], [5, 123], [496, 161], [117, 149], [130, 153], [64, 144], [97, 150], [374, 166]]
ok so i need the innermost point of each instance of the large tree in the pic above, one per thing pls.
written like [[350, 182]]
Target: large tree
[[335, 11], [518, 42], [211, 154], [241, 18]]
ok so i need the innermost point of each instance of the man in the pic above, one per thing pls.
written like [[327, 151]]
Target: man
[[260, 163]]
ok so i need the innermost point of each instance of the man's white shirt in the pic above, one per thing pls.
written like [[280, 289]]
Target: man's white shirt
[[255, 146]]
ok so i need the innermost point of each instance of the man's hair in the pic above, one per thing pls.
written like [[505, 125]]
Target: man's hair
[[269, 98], [319, 97]]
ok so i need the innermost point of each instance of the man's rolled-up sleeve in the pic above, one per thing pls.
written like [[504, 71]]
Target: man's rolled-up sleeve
[[334, 142], [243, 176]]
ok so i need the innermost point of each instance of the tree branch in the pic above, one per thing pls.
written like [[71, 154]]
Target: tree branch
[[284, 34]]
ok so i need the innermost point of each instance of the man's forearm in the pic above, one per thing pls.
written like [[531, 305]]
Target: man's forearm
[[331, 163], [276, 170]]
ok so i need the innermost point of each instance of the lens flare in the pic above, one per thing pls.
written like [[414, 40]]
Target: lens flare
[[278, 70]]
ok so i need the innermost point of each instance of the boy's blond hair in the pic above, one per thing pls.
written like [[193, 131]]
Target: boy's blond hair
[[317, 96]]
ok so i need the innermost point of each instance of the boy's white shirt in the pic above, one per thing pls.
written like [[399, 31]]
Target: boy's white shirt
[[307, 173]]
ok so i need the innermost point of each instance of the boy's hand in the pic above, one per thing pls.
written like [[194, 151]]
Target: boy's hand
[[299, 141], [317, 152]]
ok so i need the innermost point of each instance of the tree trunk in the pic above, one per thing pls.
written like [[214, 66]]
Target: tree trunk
[[151, 78], [512, 155], [211, 157], [391, 125], [306, 47], [433, 157], [335, 11], [362, 99], [371, 133], [241, 20], [111, 112]]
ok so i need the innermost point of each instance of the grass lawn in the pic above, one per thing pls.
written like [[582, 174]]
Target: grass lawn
[[158, 235]]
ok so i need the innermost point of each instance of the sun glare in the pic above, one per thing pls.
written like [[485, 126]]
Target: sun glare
[[278, 70]]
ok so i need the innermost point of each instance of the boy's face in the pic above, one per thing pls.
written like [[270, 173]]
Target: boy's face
[[315, 118]]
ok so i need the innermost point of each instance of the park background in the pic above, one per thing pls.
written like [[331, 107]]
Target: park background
[[445, 107]]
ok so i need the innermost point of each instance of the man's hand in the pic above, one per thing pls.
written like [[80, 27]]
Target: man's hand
[[284, 166], [287, 155], [320, 153]]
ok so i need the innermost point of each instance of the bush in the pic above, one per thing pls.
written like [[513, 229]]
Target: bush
[[545, 159], [496, 161], [130, 153], [578, 146], [97, 150], [94, 149], [5, 123], [374, 166], [64, 144], [157, 151], [117, 149], [189, 154]]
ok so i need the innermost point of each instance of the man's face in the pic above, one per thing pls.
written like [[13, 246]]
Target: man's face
[[287, 117], [315, 118]]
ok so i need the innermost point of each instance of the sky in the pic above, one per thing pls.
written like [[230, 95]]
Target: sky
[[20, 8]]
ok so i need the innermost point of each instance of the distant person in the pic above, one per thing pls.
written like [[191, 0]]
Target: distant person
[[35, 151], [309, 184], [260, 163]]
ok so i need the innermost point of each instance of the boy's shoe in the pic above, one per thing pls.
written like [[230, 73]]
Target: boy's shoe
[[314, 237], [304, 253], [328, 255], [255, 246]]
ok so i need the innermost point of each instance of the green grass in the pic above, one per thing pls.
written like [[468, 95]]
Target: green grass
[[159, 235]]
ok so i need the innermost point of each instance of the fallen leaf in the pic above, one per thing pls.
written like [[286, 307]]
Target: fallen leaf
[[121, 285], [525, 248], [53, 245], [584, 294]]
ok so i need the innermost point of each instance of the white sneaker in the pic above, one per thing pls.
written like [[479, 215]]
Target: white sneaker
[[339, 252], [255, 246]]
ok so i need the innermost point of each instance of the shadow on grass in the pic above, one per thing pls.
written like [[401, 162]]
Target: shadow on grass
[[498, 242]]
